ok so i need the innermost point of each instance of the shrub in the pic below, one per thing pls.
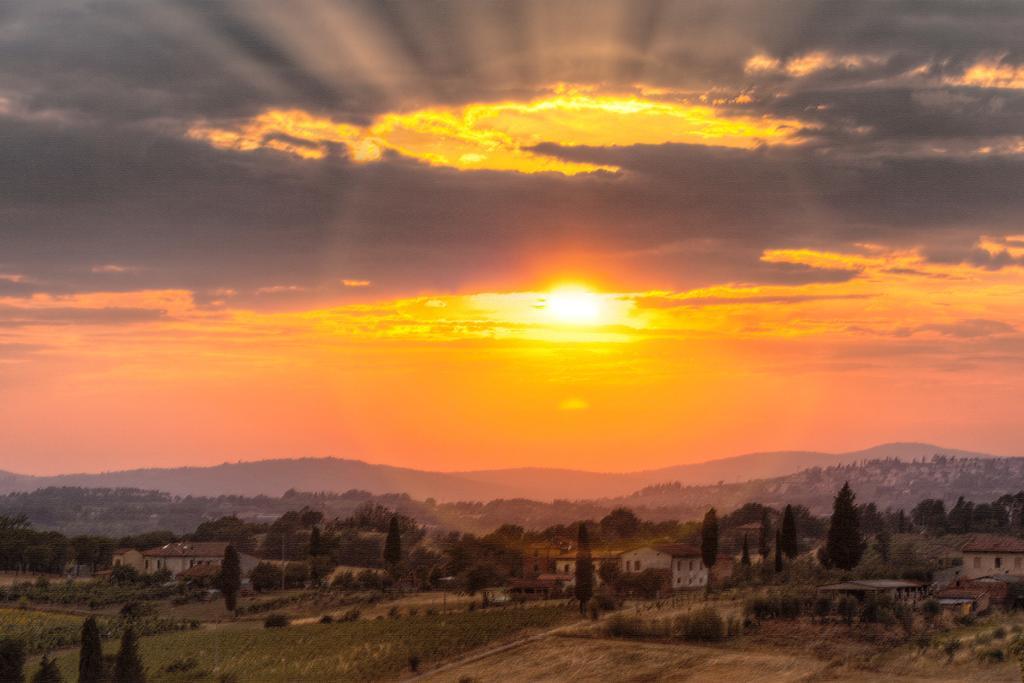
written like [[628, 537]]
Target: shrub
[[702, 625], [327, 619], [414, 663], [593, 610], [992, 655], [999, 633], [822, 608], [623, 626], [393, 613], [931, 609], [276, 621], [847, 608], [950, 648], [181, 665], [351, 615]]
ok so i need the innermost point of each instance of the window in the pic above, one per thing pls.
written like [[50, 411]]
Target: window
[[637, 564], [1016, 562], [999, 562], [691, 565]]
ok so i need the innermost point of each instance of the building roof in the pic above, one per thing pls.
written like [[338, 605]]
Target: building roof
[[204, 549], [961, 593], [871, 585], [595, 555], [125, 551], [749, 526], [555, 577], [678, 550], [993, 544], [999, 578], [535, 584]]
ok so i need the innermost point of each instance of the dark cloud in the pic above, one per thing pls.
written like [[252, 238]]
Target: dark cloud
[[96, 169]]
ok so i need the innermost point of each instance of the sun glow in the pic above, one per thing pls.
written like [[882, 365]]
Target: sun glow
[[573, 305]]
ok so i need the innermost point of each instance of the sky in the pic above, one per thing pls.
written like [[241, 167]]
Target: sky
[[607, 235]]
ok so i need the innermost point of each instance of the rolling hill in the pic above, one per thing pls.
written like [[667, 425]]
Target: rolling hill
[[274, 477]]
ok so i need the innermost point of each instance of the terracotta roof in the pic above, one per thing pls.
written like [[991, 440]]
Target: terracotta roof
[[871, 585], [531, 583], [971, 593], [994, 544], [206, 549], [678, 550], [122, 551]]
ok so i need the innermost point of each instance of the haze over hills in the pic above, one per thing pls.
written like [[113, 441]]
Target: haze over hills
[[274, 477]]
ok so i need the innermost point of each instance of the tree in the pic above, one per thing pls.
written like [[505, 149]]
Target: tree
[[789, 537], [266, 577], [844, 546], [316, 543], [393, 545], [762, 541], [12, 660], [48, 672], [709, 542], [230, 577], [620, 523], [883, 544], [778, 550], [745, 557], [90, 656], [584, 569], [128, 666]]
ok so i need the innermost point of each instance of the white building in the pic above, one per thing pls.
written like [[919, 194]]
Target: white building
[[992, 555], [178, 557], [683, 563]]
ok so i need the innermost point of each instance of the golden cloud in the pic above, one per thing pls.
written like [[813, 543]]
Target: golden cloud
[[502, 136], [992, 72]]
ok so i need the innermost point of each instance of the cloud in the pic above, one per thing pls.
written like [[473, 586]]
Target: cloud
[[505, 136]]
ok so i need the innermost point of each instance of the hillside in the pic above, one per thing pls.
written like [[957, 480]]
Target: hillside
[[887, 483], [274, 477]]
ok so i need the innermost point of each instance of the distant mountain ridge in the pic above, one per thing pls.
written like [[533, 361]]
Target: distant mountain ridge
[[274, 477]]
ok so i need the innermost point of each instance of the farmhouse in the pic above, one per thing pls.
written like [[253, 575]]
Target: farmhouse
[[683, 563], [541, 558], [180, 557], [128, 557], [992, 555], [566, 563]]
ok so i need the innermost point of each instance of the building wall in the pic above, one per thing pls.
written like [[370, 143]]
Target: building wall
[[131, 559], [986, 564], [686, 572]]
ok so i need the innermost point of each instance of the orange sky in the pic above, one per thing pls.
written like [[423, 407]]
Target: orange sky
[[601, 234], [570, 376]]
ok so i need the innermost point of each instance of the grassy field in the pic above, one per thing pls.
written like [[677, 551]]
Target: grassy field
[[362, 650], [40, 631]]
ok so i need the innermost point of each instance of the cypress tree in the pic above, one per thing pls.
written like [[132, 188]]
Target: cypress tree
[[844, 546], [12, 660], [762, 542], [47, 672], [128, 667], [231, 577], [393, 545], [745, 557], [584, 569], [778, 550], [709, 542], [316, 544], [90, 656], [789, 539]]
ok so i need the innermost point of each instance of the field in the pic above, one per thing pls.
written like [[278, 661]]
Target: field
[[362, 650], [40, 631]]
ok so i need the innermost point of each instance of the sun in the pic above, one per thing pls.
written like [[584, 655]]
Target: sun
[[573, 305]]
